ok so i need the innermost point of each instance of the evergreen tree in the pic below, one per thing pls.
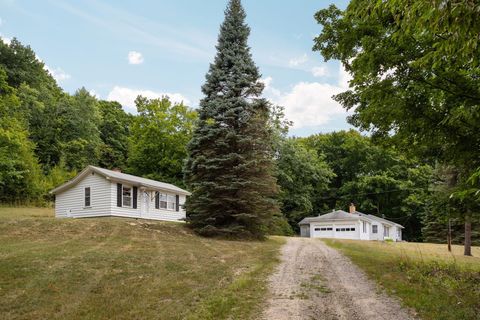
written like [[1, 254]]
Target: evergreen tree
[[230, 164]]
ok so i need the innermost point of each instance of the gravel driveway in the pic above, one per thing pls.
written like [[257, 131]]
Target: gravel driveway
[[299, 288]]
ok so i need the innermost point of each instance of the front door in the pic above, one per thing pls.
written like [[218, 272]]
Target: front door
[[145, 204]]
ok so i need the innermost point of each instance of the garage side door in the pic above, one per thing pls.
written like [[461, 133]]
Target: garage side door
[[322, 231]]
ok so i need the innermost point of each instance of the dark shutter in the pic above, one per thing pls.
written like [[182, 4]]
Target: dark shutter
[[134, 197], [177, 200], [119, 194], [157, 200]]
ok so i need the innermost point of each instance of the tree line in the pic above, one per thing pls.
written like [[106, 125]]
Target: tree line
[[48, 135], [247, 176]]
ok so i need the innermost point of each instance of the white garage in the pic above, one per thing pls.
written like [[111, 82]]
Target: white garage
[[322, 231], [355, 225]]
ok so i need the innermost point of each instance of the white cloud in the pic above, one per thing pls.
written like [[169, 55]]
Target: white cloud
[[309, 103], [135, 57], [93, 93], [297, 61], [6, 40], [57, 73], [343, 77], [126, 97], [319, 71], [269, 90]]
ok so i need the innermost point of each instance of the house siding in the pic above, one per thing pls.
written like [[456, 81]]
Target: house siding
[[305, 231], [103, 201], [394, 232], [71, 203], [150, 212], [122, 211], [355, 235]]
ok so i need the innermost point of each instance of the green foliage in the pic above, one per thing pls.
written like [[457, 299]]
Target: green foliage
[[20, 176], [448, 201], [411, 77], [114, 132], [23, 67], [415, 76], [301, 175], [230, 166], [378, 179], [78, 121], [159, 136]]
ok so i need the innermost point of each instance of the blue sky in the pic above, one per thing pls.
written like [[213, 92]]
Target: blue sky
[[118, 49]]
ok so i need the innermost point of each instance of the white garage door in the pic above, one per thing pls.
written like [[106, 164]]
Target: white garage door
[[322, 231], [346, 232]]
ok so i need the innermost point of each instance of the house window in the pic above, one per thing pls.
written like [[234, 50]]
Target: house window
[[163, 201], [375, 229], [127, 196], [87, 197], [171, 202], [385, 231], [364, 227], [167, 201]]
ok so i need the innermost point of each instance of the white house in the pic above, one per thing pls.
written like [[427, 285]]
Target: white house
[[97, 192], [350, 225]]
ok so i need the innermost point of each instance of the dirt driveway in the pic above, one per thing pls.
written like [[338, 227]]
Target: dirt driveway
[[314, 281]]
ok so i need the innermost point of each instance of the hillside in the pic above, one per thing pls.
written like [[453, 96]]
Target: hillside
[[425, 276], [122, 268]]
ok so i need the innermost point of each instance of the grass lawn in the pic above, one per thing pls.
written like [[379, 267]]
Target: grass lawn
[[113, 268], [426, 277]]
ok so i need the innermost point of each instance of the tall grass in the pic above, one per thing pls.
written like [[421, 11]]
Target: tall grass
[[437, 287]]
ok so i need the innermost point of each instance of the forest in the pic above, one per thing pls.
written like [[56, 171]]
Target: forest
[[415, 165]]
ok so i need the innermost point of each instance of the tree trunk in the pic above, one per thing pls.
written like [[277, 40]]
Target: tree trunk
[[449, 236], [468, 235]]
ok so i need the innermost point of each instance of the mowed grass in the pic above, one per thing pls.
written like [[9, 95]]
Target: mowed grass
[[113, 268], [426, 277]]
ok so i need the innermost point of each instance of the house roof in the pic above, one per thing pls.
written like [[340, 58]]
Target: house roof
[[340, 215], [121, 177]]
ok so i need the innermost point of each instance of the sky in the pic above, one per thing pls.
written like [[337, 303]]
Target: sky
[[120, 49]]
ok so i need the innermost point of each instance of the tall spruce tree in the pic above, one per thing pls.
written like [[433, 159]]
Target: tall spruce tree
[[230, 164]]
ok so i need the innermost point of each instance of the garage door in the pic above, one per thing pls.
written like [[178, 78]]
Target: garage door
[[322, 231], [346, 232]]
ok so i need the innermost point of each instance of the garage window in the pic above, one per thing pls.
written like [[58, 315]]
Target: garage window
[[323, 229]]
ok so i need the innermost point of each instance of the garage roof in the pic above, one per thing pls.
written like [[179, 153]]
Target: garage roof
[[340, 215]]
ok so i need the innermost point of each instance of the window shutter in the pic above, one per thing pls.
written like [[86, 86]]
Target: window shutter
[[134, 197], [119, 194], [177, 200], [157, 200]]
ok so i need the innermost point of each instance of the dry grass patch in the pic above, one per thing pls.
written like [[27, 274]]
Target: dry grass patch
[[436, 283], [104, 268]]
